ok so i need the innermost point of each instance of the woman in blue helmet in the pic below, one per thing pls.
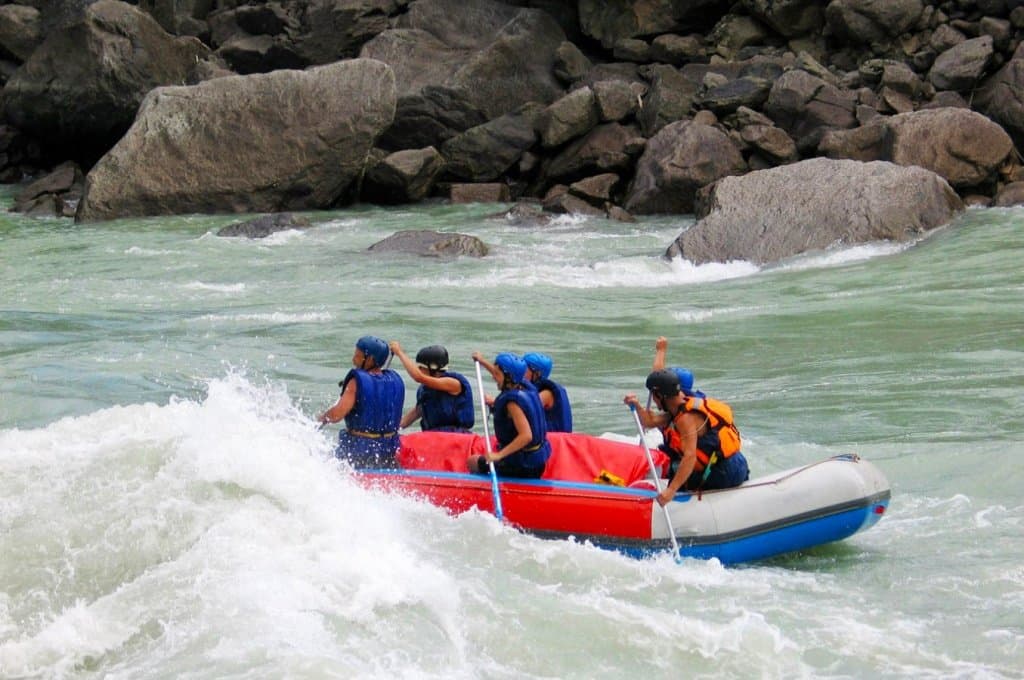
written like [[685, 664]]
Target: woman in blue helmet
[[371, 403], [519, 423], [553, 396], [444, 399]]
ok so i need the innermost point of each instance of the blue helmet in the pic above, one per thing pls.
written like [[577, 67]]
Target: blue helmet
[[374, 347], [539, 362], [511, 365], [685, 379]]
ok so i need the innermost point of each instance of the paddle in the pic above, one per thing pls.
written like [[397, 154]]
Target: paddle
[[487, 442], [657, 481]]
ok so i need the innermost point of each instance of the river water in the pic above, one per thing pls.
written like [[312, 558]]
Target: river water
[[168, 508]]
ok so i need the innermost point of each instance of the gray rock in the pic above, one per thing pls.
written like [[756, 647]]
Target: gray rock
[[612, 21], [678, 161], [790, 18], [288, 140], [525, 214], [264, 226], [570, 64], [815, 204], [430, 117], [596, 190], [961, 66], [616, 99], [431, 244], [677, 49], [669, 98], [484, 192], [484, 152], [607, 148], [64, 178], [403, 177], [1011, 194], [962, 146], [569, 117], [728, 97], [806, 107], [20, 30], [632, 49], [567, 204], [497, 56], [770, 141], [1001, 98], [82, 86], [865, 22]]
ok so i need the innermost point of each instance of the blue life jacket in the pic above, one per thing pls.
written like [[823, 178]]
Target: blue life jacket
[[536, 453], [370, 437], [440, 410], [559, 416]]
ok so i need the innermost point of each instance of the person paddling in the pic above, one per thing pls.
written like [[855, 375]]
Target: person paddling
[[519, 424], [371, 403], [700, 437], [444, 399], [554, 398]]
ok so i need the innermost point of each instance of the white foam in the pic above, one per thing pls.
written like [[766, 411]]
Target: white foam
[[274, 318], [227, 288]]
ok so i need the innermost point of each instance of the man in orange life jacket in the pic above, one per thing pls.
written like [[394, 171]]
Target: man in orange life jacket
[[700, 437]]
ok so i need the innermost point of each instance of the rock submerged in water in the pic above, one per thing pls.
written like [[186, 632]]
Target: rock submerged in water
[[773, 214], [261, 227], [431, 244]]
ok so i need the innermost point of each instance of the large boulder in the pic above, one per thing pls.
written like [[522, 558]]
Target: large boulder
[[610, 21], [497, 56], [288, 140], [790, 18], [815, 204], [82, 86], [962, 146], [872, 21], [20, 31], [1001, 98], [337, 29], [678, 161], [484, 152], [961, 66], [806, 107], [430, 117], [607, 148]]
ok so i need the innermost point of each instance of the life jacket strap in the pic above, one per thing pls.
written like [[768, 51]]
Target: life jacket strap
[[371, 435]]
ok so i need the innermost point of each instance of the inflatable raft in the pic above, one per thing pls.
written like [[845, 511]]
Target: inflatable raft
[[599, 490]]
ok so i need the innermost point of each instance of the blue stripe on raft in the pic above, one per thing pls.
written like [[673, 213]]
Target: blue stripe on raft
[[800, 536]]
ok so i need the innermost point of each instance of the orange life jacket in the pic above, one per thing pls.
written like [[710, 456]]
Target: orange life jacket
[[721, 440]]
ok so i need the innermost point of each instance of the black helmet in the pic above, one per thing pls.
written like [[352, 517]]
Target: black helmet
[[663, 382], [435, 358]]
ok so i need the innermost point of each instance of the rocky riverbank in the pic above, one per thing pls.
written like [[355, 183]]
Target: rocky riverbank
[[607, 108]]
